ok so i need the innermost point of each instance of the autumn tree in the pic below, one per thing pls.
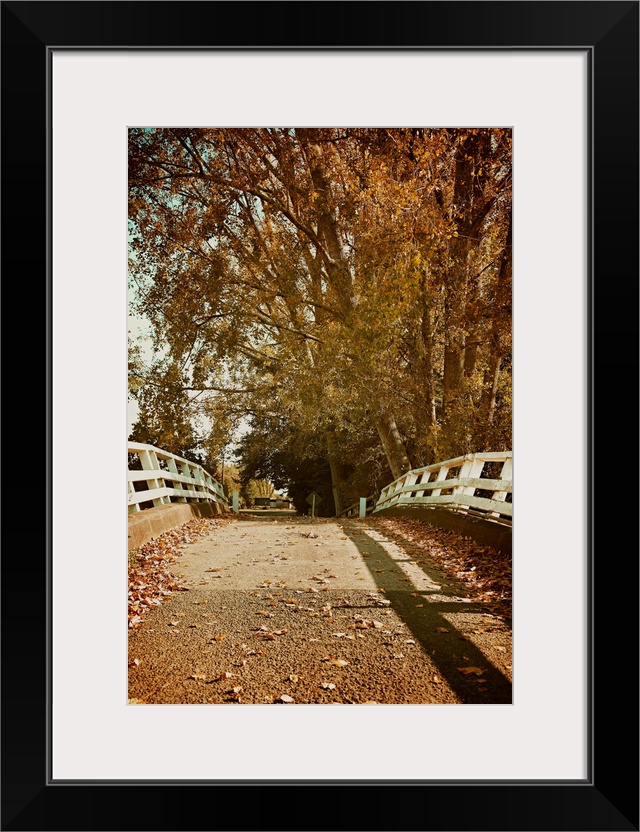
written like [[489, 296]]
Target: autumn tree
[[342, 281]]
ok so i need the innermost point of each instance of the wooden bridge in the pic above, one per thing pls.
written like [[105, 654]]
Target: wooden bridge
[[460, 485], [318, 610]]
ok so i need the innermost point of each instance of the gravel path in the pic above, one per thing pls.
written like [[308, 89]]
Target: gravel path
[[296, 610]]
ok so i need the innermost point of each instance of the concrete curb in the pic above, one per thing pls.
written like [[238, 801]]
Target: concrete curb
[[149, 523]]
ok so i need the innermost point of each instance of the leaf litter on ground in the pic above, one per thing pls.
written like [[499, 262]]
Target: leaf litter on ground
[[150, 576], [483, 571]]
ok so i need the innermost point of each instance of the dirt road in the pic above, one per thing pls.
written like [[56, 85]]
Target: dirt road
[[296, 610]]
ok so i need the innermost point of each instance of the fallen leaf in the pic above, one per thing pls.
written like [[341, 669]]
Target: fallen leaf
[[134, 663], [328, 686], [199, 677], [173, 623], [409, 641], [336, 662], [285, 698], [293, 677], [220, 637], [441, 630], [225, 675], [476, 671]]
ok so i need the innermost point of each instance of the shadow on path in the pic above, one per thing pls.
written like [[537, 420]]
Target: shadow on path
[[424, 614]]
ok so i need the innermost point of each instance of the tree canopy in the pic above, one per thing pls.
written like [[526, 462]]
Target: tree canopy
[[348, 291]]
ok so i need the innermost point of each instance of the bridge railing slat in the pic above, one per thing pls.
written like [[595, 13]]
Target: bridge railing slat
[[183, 480], [417, 488]]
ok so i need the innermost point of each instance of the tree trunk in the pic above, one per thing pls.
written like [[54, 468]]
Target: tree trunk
[[427, 345], [336, 480], [491, 398], [492, 374], [455, 314], [467, 210], [392, 444], [425, 409], [471, 351], [453, 375]]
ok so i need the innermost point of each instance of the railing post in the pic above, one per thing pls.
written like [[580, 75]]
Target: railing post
[[505, 474], [149, 462], [363, 507], [411, 478], [171, 465], [236, 501], [442, 476], [185, 469], [133, 506], [471, 468]]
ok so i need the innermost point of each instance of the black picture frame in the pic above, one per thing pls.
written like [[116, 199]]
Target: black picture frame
[[608, 798]]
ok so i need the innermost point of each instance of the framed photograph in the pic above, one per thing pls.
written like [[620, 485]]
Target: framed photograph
[[562, 79]]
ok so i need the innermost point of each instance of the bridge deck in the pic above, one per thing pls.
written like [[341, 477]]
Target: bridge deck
[[318, 611]]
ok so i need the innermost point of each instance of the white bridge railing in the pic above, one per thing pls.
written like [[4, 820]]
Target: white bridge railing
[[167, 475], [458, 485]]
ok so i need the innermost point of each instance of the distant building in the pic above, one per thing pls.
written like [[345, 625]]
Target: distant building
[[275, 501]]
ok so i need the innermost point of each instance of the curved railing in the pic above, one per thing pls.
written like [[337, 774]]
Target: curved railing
[[458, 484], [168, 476]]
